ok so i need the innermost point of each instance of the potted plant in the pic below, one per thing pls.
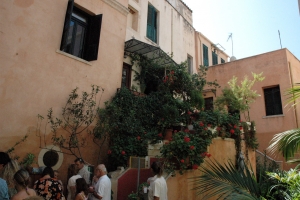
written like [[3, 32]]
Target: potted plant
[[27, 162]]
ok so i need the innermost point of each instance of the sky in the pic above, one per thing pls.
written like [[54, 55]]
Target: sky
[[254, 25]]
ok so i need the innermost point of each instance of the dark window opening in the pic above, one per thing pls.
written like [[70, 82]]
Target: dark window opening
[[214, 58], [81, 34], [208, 103], [126, 76], [273, 101], [190, 64], [222, 60]]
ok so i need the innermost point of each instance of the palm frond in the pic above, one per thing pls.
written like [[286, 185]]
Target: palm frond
[[287, 143], [293, 94], [226, 182]]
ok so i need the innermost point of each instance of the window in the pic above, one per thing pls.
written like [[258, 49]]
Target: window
[[152, 23], [190, 64], [81, 33], [214, 58], [126, 76], [132, 19], [208, 103], [273, 101], [205, 56], [222, 60]]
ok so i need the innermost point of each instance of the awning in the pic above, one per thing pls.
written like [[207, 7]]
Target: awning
[[150, 51]]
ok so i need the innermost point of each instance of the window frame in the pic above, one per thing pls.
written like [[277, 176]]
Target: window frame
[[205, 55], [222, 61], [209, 106], [190, 64], [127, 67], [276, 104], [152, 24], [91, 41], [214, 58]]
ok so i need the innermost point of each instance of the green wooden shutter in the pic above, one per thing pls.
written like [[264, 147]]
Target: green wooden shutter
[[151, 23], [205, 56]]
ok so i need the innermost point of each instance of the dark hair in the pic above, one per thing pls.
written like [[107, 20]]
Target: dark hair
[[48, 171], [79, 159], [72, 170], [157, 168], [4, 158], [81, 185], [22, 178]]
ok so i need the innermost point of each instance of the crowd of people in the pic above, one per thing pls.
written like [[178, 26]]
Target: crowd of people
[[15, 181]]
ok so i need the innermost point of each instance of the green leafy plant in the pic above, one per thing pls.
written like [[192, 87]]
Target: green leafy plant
[[28, 160], [77, 116], [133, 196]]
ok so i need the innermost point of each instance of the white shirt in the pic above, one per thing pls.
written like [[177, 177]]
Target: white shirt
[[84, 173], [158, 188], [72, 182], [103, 188]]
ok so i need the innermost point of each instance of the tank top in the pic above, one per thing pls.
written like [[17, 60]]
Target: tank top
[[83, 196]]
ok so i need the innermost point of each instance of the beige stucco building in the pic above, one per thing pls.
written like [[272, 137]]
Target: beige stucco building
[[48, 48], [281, 70]]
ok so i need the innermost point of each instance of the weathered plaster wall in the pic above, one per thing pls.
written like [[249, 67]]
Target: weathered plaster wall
[[274, 66], [180, 186], [35, 77]]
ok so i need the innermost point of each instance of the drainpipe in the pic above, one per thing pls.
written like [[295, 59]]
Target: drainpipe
[[295, 106], [172, 31]]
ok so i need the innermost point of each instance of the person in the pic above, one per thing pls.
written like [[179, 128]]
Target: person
[[3, 189], [56, 173], [8, 169], [73, 176], [83, 170], [158, 186], [81, 189], [102, 189], [22, 179], [48, 187]]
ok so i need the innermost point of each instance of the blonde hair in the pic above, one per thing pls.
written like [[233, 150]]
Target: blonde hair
[[22, 178], [9, 171]]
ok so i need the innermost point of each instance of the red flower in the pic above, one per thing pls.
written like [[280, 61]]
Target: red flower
[[109, 152], [195, 166], [218, 128], [172, 72], [189, 112], [208, 125], [201, 124], [231, 131], [241, 127], [182, 160], [192, 147], [234, 126], [208, 155], [205, 129], [160, 135], [241, 121], [123, 152], [138, 137], [165, 80], [187, 139], [186, 130]]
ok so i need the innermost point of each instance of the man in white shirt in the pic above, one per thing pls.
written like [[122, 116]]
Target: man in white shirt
[[102, 189], [83, 170]]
